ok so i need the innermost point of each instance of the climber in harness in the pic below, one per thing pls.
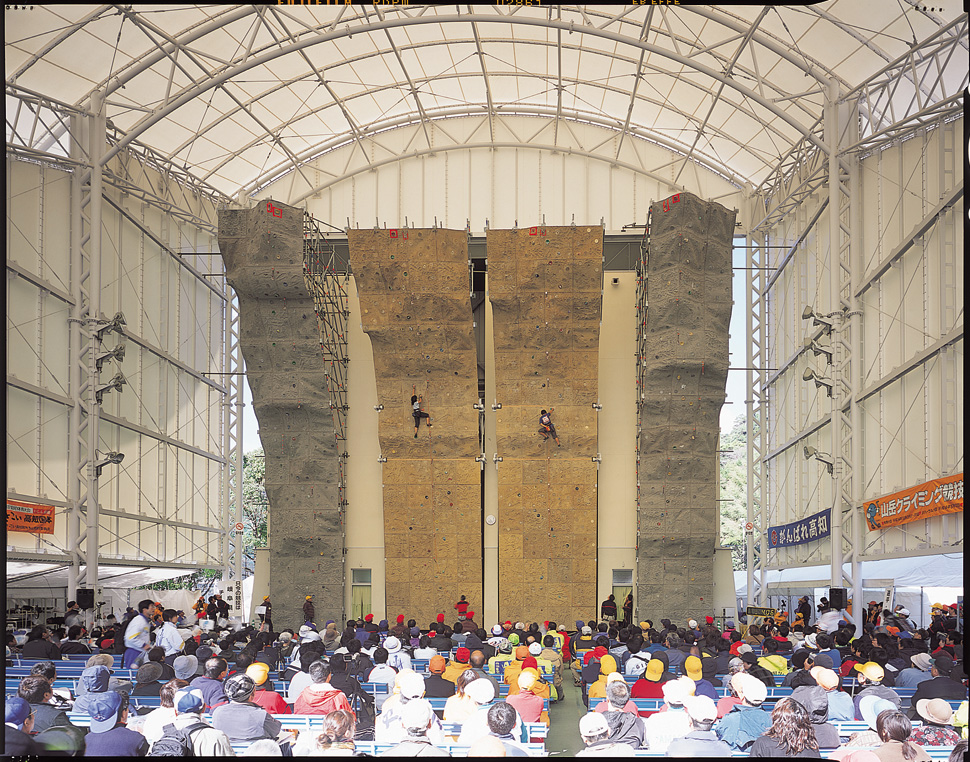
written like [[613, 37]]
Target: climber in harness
[[418, 413], [546, 427]]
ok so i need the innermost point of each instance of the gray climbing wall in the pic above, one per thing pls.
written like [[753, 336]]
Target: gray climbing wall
[[415, 307], [280, 342], [686, 360], [545, 286]]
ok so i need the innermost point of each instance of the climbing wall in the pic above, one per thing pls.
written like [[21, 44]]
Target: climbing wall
[[415, 307], [280, 340], [685, 357], [545, 286]]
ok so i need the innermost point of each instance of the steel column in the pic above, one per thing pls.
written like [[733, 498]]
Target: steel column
[[755, 425]]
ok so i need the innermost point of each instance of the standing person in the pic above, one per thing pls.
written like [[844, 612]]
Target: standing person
[[137, 640], [628, 610], [805, 609], [462, 607], [222, 608], [308, 610], [73, 614], [267, 617], [547, 428], [608, 608], [418, 413], [168, 637]]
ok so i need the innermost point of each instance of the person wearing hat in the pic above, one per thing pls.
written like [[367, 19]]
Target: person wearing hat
[[188, 705], [749, 662], [916, 674], [18, 724], [840, 705], [266, 617], [147, 679], [941, 685], [595, 732], [457, 665], [435, 685], [408, 687], [468, 624], [694, 670], [264, 695], [416, 720], [672, 722], [937, 728], [107, 735], [815, 700], [397, 657], [526, 703], [870, 676], [701, 741], [799, 670], [241, 719], [476, 726], [607, 667], [369, 625], [309, 612], [503, 656], [746, 721], [650, 683], [621, 713]]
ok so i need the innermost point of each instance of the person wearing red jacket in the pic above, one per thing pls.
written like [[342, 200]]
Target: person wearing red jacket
[[270, 700], [320, 697]]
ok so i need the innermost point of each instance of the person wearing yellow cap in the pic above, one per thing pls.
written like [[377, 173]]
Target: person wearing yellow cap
[[308, 610], [264, 695], [693, 670], [870, 677], [607, 667]]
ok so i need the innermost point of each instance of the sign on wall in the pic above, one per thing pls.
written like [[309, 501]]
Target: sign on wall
[[809, 529], [932, 498], [30, 517]]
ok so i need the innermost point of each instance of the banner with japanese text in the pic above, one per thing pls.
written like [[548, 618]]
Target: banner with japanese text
[[809, 529], [932, 498], [29, 517]]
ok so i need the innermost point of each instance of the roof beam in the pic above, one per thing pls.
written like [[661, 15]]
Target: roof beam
[[488, 88], [644, 30]]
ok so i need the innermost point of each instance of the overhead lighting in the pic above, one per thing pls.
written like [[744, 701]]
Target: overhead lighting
[[817, 320], [114, 384], [818, 349], [820, 381], [116, 324], [107, 459], [117, 354], [821, 457]]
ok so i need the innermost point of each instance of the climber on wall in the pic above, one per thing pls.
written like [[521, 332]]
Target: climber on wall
[[546, 427], [418, 413]]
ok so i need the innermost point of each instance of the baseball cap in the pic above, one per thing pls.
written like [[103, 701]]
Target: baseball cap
[[203, 652], [745, 648], [692, 623], [823, 660], [701, 708], [655, 670], [521, 651], [824, 677], [392, 644], [692, 668], [16, 711], [526, 680], [497, 630], [904, 612], [437, 664], [104, 709], [922, 661], [514, 638], [416, 714], [369, 618], [239, 687], [258, 671], [410, 683], [400, 618], [675, 691], [535, 649], [440, 618], [185, 666], [530, 661], [587, 630], [637, 667], [871, 670], [729, 624], [188, 699], [753, 690], [462, 655], [709, 619], [943, 663], [480, 691], [593, 724]]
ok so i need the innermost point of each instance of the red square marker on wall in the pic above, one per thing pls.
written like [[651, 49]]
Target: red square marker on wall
[[533, 231], [393, 232]]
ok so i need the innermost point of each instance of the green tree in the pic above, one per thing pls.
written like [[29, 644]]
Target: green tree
[[734, 490]]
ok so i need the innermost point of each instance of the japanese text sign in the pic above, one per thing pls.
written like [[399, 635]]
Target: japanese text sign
[[809, 529], [28, 517], [932, 498]]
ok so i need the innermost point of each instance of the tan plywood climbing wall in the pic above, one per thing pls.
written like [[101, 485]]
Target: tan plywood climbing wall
[[415, 307], [685, 358], [545, 286]]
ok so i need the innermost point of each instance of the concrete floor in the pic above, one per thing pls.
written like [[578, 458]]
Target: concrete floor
[[563, 739]]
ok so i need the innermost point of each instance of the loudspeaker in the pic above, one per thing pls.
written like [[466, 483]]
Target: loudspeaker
[[85, 597], [838, 598]]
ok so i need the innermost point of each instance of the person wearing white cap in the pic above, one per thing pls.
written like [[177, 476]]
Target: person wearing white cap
[[416, 719], [595, 732], [663, 727], [746, 721], [476, 726], [397, 657], [408, 686], [701, 741], [919, 672]]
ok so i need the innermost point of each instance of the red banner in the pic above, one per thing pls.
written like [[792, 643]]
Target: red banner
[[934, 498], [29, 517]]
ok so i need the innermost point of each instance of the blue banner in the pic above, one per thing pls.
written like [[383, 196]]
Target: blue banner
[[809, 529]]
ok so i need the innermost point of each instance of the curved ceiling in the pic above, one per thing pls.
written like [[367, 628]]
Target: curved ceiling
[[239, 94]]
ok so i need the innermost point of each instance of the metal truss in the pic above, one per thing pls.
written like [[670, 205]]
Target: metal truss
[[232, 438], [327, 286], [756, 425]]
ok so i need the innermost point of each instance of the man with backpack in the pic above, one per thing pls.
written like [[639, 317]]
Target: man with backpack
[[188, 735]]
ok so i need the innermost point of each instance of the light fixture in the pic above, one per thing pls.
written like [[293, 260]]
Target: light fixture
[[496, 406], [117, 381], [811, 375], [597, 406], [480, 458], [378, 408], [596, 458], [116, 324], [118, 354], [496, 458], [818, 349], [480, 405], [810, 452], [107, 459], [382, 459], [809, 314]]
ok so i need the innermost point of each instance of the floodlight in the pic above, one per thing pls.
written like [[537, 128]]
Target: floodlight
[[114, 384], [821, 457], [116, 324], [818, 349], [809, 314], [118, 354], [809, 451], [107, 459], [820, 381]]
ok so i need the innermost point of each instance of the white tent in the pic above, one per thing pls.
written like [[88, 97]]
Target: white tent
[[918, 582]]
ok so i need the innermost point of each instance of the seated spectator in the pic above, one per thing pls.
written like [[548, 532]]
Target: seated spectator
[[206, 740], [298, 673], [941, 685], [604, 705], [457, 665], [675, 657], [841, 707], [185, 667], [595, 732], [726, 702], [917, 673], [672, 721], [425, 650], [264, 695], [755, 670], [435, 686], [320, 696], [211, 682], [37, 692], [747, 720], [870, 676], [773, 661], [798, 668], [460, 707], [701, 741], [526, 703], [241, 719], [157, 656], [39, 645], [61, 698], [397, 657], [894, 729], [107, 735], [504, 724], [753, 636], [336, 737], [408, 687], [815, 701], [650, 683], [871, 707], [789, 735], [826, 646], [18, 724], [164, 715], [621, 715], [694, 670], [417, 718], [937, 728], [73, 644], [476, 726], [146, 679]]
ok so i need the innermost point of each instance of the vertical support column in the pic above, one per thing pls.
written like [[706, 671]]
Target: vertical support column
[[232, 447], [755, 429]]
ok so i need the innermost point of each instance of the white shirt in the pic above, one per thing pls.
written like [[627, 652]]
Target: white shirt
[[399, 660], [169, 639], [155, 721], [136, 634], [300, 681]]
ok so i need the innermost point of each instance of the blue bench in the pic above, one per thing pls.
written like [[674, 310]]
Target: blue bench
[[375, 748]]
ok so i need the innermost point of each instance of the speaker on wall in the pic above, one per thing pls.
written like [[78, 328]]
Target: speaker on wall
[[85, 597], [838, 597]]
